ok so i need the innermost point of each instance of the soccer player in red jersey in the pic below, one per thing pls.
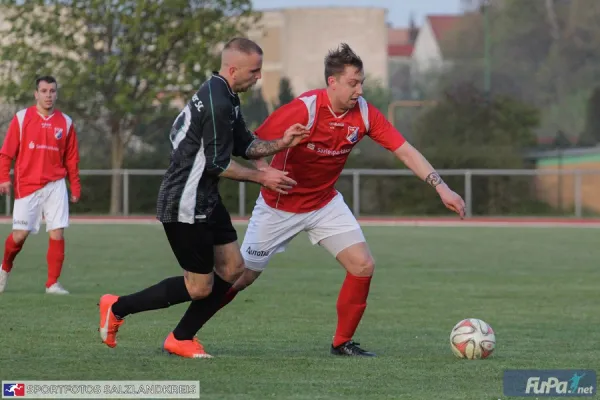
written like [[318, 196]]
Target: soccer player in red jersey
[[43, 142], [338, 117]]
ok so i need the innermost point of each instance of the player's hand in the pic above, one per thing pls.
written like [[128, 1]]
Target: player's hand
[[451, 200], [74, 199], [294, 135], [5, 187], [277, 180]]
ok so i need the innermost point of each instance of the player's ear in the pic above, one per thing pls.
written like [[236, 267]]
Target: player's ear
[[331, 81]]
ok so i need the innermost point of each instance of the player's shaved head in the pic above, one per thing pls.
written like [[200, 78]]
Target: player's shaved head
[[237, 48], [241, 63]]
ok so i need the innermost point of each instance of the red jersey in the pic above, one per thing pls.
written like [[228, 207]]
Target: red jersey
[[317, 162], [45, 150]]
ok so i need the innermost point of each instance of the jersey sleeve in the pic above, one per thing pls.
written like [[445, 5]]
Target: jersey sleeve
[[72, 162], [217, 137], [294, 112], [10, 149], [382, 131], [242, 137]]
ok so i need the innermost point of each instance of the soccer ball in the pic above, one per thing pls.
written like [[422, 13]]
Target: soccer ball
[[472, 339]]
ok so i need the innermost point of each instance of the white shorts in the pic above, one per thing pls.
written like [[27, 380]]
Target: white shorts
[[51, 201], [270, 230]]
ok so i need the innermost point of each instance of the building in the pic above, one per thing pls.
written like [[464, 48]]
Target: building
[[400, 48], [428, 53], [296, 40]]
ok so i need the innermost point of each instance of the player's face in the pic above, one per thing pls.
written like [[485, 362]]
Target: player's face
[[46, 95], [348, 87], [247, 72]]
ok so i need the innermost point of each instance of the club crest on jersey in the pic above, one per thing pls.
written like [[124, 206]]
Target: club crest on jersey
[[58, 133], [352, 134]]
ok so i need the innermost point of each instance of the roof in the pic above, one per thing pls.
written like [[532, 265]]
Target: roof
[[453, 33], [441, 24], [400, 50], [398, 36]]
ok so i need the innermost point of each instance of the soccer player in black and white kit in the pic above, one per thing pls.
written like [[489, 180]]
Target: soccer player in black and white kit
[[205, 135]]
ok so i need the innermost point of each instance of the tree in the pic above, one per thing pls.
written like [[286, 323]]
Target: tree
[[254, 108], [377, 94], [115, 61], [543, 52], [471, 5], [475, 132], [7, 113], [285, 92], [466, 130], [591, 135]]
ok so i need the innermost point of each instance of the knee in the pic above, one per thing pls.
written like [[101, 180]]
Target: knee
[[231, 271], [56, 234], [19, 236], [246, 279], [199, 291], [364, 267]]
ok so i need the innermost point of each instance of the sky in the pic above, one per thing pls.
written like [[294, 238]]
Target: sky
[[399, 11]]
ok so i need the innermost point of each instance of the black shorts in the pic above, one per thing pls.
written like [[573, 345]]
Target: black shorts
[[193, 244]]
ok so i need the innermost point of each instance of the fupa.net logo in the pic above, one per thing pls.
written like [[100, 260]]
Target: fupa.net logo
[[547, 383], [556, 386]]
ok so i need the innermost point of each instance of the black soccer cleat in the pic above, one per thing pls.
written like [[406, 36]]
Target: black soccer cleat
[[350, 348]]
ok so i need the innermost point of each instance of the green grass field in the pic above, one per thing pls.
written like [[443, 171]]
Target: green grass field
[[538, 288]]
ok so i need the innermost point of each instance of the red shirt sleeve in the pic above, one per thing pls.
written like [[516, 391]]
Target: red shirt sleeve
[[5, 163], [10, 149], [294, 112], [382, 131], [72, 162]]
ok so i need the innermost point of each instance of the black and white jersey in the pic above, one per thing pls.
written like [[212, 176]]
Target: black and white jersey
[[205, 135]]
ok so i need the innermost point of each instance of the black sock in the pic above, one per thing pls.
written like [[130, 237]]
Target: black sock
[[164, 294], [200, 311]]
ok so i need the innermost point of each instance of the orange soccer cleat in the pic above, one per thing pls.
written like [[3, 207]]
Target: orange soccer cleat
[[185, 348], [109, 324]]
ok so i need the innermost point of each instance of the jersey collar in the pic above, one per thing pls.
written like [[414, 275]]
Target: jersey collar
[[215, 74], [327, 104]]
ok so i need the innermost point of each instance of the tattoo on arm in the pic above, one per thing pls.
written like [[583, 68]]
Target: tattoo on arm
[[434, 179], [263, 148]]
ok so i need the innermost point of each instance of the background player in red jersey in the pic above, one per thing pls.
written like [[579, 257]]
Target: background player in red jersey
[[338, 118], [43, 143]]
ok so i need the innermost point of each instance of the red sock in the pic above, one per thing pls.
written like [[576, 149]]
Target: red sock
[[230, 295], [351, 305], [55, 258], [11, 249]]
